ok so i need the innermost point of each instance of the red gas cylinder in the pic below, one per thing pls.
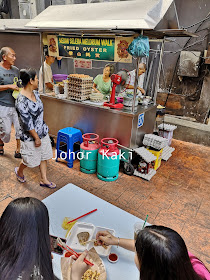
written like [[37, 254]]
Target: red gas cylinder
[[89, 149], [90, 141], [108, 160]]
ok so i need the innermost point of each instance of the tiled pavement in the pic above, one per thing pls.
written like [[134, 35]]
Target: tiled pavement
[[178, 196]]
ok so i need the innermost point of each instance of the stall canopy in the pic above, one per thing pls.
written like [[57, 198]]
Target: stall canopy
[[122, 15], [13, 24]]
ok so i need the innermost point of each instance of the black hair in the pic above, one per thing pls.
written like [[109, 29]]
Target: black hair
[[45, 50], [111, 67], [46, 53], [25, 240], [26, 75], [162, 254]]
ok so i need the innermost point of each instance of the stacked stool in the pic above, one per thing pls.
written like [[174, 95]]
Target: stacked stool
[[69, 136]]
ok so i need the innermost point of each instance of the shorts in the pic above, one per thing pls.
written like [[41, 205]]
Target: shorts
[[8, 116], [32, 156]]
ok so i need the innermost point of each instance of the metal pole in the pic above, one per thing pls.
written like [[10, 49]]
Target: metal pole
[[177, 18], [149, 74], [136, 83], [163, 71], [158, 72], [42, 61]]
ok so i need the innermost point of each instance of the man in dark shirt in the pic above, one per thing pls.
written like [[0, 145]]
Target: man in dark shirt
[[8, 115]]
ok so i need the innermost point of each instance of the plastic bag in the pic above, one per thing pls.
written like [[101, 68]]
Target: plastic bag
[[15, 93], [139, 47], [18, 83]]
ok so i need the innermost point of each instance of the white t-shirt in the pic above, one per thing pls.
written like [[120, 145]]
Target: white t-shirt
[[132, 79], [47, 77]]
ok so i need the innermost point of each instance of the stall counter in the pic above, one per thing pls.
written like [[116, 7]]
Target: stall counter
[[129, 128]]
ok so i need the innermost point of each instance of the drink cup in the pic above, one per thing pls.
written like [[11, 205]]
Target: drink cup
[[137, 227]]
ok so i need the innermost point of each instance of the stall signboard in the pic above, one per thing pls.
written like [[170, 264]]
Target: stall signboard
[[82, 47], [94, 48], [82, 63]]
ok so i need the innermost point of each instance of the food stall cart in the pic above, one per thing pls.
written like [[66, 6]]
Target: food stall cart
[[99, 20], [109, 20]]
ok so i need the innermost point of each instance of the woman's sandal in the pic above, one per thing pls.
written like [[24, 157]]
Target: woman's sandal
[[50, 186], [1, 150], [17, 155], [20, 179]]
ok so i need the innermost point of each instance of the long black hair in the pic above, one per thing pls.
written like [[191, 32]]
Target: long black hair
[[162, 254], [26, 75], [25, 240]]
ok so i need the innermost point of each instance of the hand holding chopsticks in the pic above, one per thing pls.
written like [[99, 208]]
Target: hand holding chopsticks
[[67, 248], [92, 240]]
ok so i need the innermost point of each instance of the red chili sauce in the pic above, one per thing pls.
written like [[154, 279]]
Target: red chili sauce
[[113, 257], [68, 254]]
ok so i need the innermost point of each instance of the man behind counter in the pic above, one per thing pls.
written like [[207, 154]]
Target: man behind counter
[[130, 85], [48, 78]]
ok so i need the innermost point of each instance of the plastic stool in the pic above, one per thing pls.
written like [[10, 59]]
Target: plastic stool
[[69, 136]]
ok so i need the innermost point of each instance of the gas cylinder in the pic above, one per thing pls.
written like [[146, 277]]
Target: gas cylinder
[[108, 160], [89, 149]]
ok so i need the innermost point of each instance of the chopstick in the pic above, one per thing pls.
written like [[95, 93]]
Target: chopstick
[[82, 216], [77, 255], [92, 240], [67, 248]]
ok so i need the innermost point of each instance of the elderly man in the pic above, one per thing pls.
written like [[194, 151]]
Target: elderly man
[[131, 80], [8, 114]]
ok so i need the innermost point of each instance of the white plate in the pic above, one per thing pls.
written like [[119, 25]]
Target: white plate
[[99, 249], [72, 239]]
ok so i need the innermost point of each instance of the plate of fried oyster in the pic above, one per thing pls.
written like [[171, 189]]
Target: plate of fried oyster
[[96, 272]]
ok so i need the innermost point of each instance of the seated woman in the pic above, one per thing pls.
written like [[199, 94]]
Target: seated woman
[[102, 83], [35, 142], [25, 251], [161, 254]]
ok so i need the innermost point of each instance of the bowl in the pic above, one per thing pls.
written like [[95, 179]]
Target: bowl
[[119, 99], [59, 77], [128, 101], [113, 258], [145, 102], [68, 255]]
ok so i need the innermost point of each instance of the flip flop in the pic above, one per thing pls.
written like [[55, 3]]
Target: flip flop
[[17, 155], [48, 185], [20, 179], [1, 150]]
